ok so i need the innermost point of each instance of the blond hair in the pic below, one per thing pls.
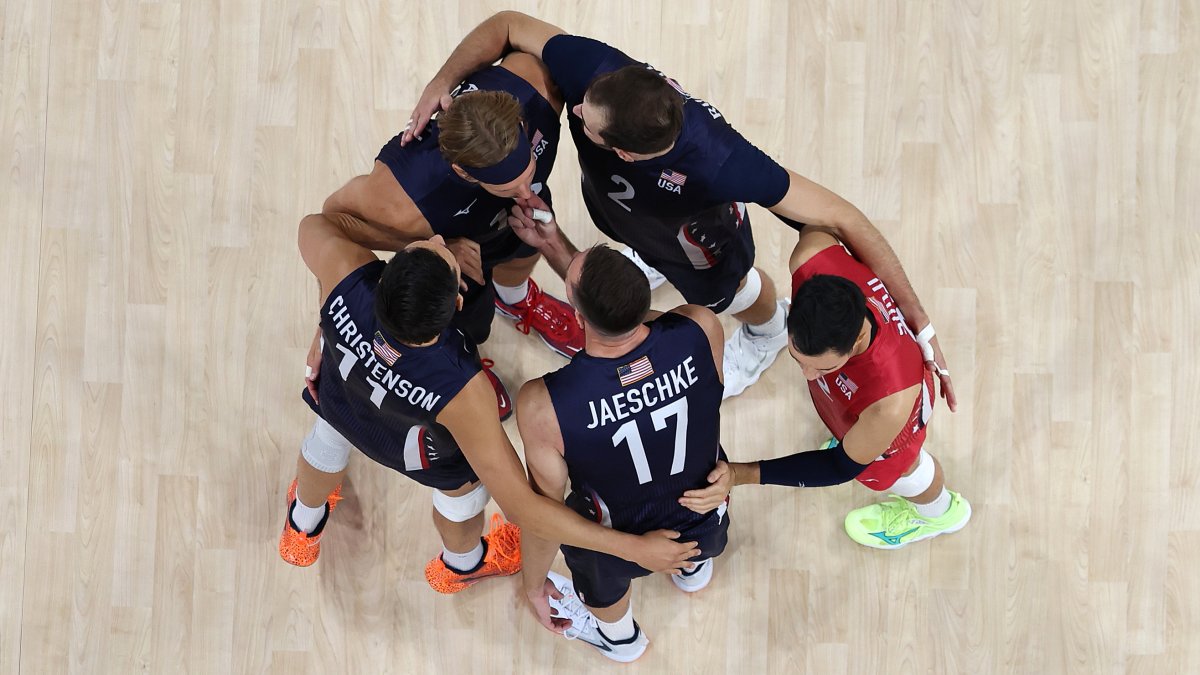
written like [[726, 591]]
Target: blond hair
[[480, 128]]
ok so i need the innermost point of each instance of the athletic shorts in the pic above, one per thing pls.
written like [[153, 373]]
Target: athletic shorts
[[883, 473], [411, 453], [703, 275], [601, 579]]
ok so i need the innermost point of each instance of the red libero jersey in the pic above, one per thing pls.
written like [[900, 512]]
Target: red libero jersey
[[891, 363]]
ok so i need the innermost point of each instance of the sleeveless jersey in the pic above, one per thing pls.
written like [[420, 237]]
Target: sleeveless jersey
[[383, 396], [683, 206], [455, 207], [890, 364], [641, 429]]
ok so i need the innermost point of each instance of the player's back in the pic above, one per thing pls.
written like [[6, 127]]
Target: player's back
[[641, 429], [382, 395]]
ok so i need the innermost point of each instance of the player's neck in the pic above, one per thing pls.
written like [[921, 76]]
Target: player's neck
[[606, 347], [863, 343], [635, 157]]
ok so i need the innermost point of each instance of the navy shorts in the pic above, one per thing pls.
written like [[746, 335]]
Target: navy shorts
[[419, 454], [705, 264], [601, 579]]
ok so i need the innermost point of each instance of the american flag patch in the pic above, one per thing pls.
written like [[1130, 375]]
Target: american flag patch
[[383, 350], [674, 177], [846, 384], [537, 138], [634, 371]]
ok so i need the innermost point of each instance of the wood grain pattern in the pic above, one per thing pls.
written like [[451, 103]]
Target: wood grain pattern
[[1034, 165]]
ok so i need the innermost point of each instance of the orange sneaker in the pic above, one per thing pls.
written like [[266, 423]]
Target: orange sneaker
[[296, 546], [501, 558]]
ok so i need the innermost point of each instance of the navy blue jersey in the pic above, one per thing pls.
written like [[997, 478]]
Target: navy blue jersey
[[672, 207], [455, 207], [640, 430], [383, 396]]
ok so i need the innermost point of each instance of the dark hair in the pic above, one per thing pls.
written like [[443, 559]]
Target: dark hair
[[612, 293], [415, 298], [827, 314], [643, 113]]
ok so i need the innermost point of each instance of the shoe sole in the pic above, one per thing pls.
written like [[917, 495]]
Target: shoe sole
[[951, 530], [467, 583]]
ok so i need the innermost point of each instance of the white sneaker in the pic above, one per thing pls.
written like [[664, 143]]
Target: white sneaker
[[748, 356], [655, 277], [697, 579], [584, 628]]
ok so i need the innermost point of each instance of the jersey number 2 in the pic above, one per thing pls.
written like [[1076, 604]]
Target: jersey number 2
[[629, 433], [627, 193]]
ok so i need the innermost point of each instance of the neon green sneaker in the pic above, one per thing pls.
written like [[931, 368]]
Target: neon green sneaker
[[896, 523]]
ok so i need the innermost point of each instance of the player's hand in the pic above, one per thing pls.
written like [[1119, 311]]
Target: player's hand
[[435, 97], [706, 499], [533, 232], [312, 368], [935, 362], [466, 252], [658, 551], [540, 605]]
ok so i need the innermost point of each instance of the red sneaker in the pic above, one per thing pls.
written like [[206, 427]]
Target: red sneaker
[[552, 319], [503, 400]]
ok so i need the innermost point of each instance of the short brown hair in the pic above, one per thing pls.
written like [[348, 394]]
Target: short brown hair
[[612, 294], [643, 113], [479, 128]]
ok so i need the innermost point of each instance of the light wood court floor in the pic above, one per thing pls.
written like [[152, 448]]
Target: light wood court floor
[[1033, 163]]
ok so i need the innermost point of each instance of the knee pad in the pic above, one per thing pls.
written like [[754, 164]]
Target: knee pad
[[325, 449], [919, 480], [463, 507], [747, 295]]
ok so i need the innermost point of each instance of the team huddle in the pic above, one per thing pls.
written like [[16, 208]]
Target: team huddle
[[632, 421]]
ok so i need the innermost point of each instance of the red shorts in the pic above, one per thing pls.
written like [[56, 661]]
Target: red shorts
[[883, 473]]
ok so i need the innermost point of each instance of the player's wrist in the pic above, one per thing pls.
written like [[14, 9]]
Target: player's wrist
[[744, 473]]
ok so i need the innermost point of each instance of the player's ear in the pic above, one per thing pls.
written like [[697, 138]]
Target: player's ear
[[462, 174], [625, 156]]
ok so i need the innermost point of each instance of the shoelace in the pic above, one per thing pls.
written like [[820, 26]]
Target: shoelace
[[581, 617], [503, 540], [554, 324], [898, 510]]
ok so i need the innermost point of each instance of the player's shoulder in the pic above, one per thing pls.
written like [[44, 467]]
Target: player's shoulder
[[813, 240], [702, 317], [531, 69]]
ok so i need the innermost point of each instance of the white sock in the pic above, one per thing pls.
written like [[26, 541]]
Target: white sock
[[463, 562], [936, 508], [511, 295], [621, 629], [307, 517], [773, 326]]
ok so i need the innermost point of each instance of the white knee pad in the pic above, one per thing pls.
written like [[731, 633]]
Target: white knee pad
[[747, 295], [919, 480], [463, 507], [325, 449]]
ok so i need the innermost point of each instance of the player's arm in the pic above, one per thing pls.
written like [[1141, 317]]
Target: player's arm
[[713, 330], [328, 252], [532, 70], [493, 458], [499, 34], [548, 476], [869, 438], [546, 236], [808, 203]]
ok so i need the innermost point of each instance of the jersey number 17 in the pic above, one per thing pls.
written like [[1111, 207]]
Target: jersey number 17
[[629, 434]]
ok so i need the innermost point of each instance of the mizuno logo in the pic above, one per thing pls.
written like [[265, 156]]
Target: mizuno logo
[[466, 210], [892, 540]]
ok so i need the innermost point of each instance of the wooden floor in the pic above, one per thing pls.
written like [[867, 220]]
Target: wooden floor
[[1034, 164]]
